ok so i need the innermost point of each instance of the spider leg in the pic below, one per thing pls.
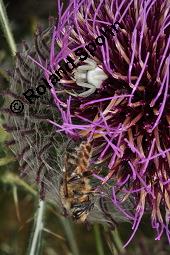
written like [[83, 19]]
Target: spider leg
[[88, 92], [85, 68], [72, 94], [91, 64], [85, 85]]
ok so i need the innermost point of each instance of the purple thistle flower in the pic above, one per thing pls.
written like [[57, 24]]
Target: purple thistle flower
[[128, 115]]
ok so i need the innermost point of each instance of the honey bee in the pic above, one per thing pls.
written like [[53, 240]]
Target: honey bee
[[75, 190]]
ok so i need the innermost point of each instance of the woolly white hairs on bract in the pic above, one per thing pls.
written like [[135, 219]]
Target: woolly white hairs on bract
[[33, 138]]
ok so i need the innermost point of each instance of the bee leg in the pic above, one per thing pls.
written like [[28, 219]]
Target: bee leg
[[65, 213], [83, 193], [88, 225], [87, 173], [74, 179], [65, 185], [91, 172], [65, 179], [90, 192], [79, 177], [111, 220], [78, 193]]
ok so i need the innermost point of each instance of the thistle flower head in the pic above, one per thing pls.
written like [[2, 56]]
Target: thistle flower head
[[128, 115], [115, 94]]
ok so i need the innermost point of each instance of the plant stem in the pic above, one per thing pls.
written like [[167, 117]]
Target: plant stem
[[6, 28], [118, 242], [70, 235], [35, 244], [15, 195], [99, 242]]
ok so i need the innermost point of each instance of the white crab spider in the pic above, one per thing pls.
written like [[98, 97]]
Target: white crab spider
[[89, 76]]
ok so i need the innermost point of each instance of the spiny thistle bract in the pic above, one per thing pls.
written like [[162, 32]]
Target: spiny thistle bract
[[128, 117]]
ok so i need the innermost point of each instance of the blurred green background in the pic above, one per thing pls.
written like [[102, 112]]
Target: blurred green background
[[18, 201]]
